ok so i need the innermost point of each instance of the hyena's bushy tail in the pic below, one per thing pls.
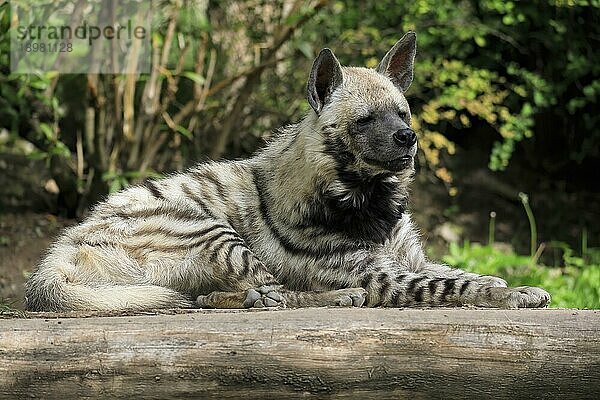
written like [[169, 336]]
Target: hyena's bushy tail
[[48, 289]]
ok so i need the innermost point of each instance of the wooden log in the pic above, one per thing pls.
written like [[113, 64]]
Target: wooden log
[[320, 353]]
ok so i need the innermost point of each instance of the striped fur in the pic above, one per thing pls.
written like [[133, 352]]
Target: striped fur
[[322, 207]]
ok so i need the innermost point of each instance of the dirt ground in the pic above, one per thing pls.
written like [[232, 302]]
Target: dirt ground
[[23, 239]]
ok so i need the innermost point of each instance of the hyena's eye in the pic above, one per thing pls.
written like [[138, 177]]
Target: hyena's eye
[[403, 115], [365, 120]]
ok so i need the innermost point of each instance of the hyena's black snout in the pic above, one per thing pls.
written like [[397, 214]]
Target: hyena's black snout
[[405, 137]]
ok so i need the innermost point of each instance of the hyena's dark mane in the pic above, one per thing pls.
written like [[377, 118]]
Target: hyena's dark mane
[[357, 204]]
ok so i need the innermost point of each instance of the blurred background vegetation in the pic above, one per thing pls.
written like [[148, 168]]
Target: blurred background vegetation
[[505, 102]]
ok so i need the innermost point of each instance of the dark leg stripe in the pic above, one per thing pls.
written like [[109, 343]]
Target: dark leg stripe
[[94, 244], [464, 287], [214, 237], [448, 288], [186, 214], [153, 189], [413, 283], [433, 285], [196, 199], [419, 294], [384, 280], [384, 288], [220, 245], [366, 281], [246, 261], [154, 244], [229, 254], [382, 277], [168, 232], [211, 228], [202, 241], [400, 278]]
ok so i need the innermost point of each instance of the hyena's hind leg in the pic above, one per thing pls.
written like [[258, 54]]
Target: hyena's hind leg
[[246, 282], [253, 286], [277, 296]]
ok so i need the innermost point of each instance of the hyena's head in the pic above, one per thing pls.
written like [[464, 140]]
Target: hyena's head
[[362, 113]]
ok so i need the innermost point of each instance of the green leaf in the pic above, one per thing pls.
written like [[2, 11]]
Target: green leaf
[[47, 131], [39, 85], [60, 149], [37, 155], [185, 132], [539, 99], [199, 79]]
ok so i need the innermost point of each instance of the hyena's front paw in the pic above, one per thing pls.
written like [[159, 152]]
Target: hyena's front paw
[[264, 296], [518, 297]]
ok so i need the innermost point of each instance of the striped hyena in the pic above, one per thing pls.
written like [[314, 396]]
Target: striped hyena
[[318, 217]]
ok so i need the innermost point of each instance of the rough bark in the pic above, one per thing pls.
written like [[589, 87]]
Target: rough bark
[[341, 353]]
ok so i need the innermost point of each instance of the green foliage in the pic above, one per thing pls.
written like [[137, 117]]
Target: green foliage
[[576, 284], [226, 73]]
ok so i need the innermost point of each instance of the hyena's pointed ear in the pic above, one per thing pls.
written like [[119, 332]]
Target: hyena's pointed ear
[[399, 62], [325, 77]]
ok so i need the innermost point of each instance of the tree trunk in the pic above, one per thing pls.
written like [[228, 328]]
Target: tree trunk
[[326, 352]]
